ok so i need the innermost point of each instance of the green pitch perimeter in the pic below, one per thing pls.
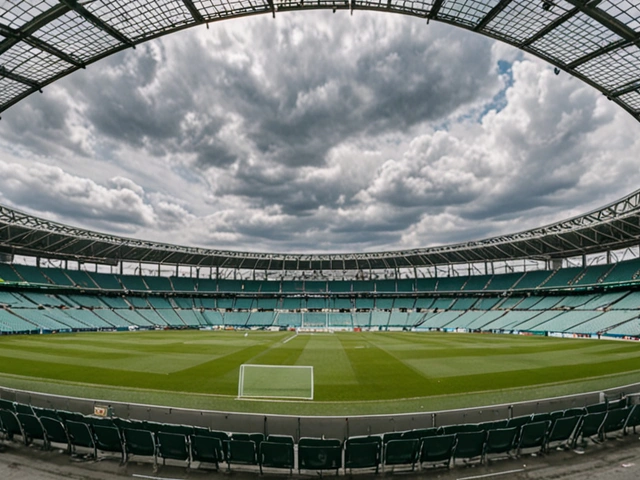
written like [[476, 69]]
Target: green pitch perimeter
[[354, 373]]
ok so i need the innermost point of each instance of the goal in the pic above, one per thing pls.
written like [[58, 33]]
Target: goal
[[276, 381]]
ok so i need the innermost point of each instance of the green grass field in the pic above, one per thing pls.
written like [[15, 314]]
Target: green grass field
[[354, 373]]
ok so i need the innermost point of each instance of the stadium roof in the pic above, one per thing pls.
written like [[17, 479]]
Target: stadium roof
[[612, 227], [597, 41]]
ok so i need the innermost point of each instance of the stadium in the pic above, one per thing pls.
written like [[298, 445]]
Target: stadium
[[302, 362]]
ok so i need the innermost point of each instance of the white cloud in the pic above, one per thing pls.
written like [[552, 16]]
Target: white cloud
[[316, 132]]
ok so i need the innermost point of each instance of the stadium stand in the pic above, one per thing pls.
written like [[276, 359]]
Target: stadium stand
[[427, 447]]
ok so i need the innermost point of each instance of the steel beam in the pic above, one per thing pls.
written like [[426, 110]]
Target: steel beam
[[195, 13], [492, 14], [90, 17]]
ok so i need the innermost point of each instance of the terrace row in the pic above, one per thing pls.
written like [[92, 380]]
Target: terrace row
[[612, 313], [575, 277]]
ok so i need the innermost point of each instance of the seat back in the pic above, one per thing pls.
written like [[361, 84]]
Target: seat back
[[534, 434], [80, 434], [592, 424], [31, 427], [563, 428], [242, 451], [108, 438], [139, 442], [402, 452], [55, 431], [207, 449], [363, 452], [319, 454], [470, 444], [616, 419], [501, 440], [276, 454], [439, 449], [173, 445]]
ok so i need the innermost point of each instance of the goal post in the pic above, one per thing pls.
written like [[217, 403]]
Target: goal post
[[276, 381]]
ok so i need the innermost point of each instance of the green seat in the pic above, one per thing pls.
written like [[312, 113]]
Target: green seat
[[518, 421], [438, 449], [70, 416], [23, 408], [542, 417], [402, 452], [241, 452], [249, 437], [55, 431], [186, 430], [633, 420], [276, 454], [80, 436], [319, 454], [288, 439], [615, 404], [615, 420], [591, 425], [533, 435], [7, 405], [469, 446], [493, 425], [10, 424], [420, 433], [574, 412], [363, 452], [46, 412], [500, 441], [222, 436], [463, 427], [597, 407], [32, 429], [173, 446], [207, 449], [140, 442], [562, 431], [109, 439]]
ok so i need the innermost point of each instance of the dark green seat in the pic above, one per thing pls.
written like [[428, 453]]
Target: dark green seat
[[186, 430], [493, 425], [10, 424], [533, 435], [387, 437], [402, 452], [70, 416], [23, 408], [438, 450], [591, 426], [55, 431], [469, 445], [319, 454], [420, 433], [80, 436], [32, 429], [140, 442], [615, 420], [615, 404], [633, 420], [249, 437], [222, 436], [542, 417], [173, 446], [93, 421], [109, 439], [7, 405], [597, 407], [518, 421], [288, 439], [500, 441], [46, 412], [276, 454], [574, 412], [363, 452], [563, 430], [242, 452], [463, 427], [207, 449]]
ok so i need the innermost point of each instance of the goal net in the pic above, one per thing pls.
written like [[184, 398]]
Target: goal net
[[276, 381]]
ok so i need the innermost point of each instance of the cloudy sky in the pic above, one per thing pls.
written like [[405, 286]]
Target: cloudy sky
[[316, 132]]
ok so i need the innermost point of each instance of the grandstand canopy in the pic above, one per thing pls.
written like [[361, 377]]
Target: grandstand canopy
[[597, 41], [612, 227]]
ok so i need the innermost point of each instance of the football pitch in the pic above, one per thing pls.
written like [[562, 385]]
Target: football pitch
[[353, 373]]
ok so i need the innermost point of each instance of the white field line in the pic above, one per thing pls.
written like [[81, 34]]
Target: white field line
[[290, 338]]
